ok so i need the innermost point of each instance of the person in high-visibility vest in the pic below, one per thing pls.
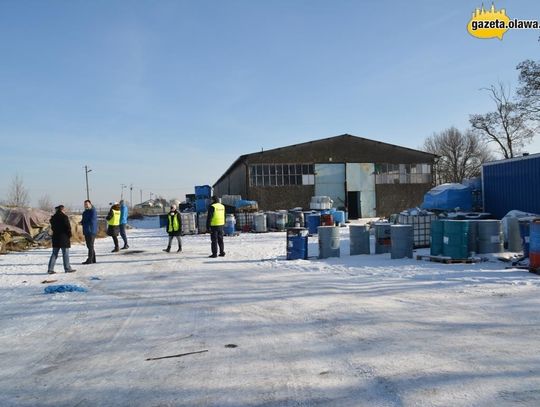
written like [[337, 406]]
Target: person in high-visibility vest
[[113, 225], [174, 228], [214, 223]]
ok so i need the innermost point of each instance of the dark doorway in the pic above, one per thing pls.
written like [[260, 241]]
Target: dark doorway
[[354, 207]]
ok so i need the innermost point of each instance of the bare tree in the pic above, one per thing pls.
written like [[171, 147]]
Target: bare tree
[[461, 155], [17, 194], [45, 203], [529, 90], [508, 126]]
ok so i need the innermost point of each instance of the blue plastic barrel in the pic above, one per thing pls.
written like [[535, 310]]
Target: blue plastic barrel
[[313, 222], [230, 223], [297, 243], [339, 217]]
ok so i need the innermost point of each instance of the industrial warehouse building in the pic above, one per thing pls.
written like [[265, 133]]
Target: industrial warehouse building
[[367, 177]]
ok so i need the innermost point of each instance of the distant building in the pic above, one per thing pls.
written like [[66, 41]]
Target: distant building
[[367, 177]]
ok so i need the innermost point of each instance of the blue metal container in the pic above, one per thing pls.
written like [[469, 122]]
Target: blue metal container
[[203, 191], [201, 204], [512, 184], [313, 222], [297, 243]]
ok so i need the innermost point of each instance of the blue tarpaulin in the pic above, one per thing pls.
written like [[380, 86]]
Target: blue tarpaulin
[[62, 288], [448, 197]]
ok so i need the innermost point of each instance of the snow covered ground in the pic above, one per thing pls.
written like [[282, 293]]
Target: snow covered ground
[[349, 331]]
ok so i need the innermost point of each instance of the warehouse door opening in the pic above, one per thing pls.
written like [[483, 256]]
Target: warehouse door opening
[[354, 205], [330, 181]]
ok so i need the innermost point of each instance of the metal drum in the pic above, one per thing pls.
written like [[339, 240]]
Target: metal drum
[[490, 236], [382, 237], [524, 231], [281, 220], [244, 221], [437, 232], [402, 238], [259, 222], [296, 219], [328, 241], [359, 239], [456, 239], [514, 238], [297, 243], [327, 219], [313, 222]]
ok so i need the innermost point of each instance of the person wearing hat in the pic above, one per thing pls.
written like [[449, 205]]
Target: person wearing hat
[[61, 239], [215, 221], [113, 224], [174, 228]]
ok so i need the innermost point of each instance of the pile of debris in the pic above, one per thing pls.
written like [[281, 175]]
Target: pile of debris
[[24, 228]]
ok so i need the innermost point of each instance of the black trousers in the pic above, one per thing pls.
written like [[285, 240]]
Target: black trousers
[[90, 239], [216, 237]]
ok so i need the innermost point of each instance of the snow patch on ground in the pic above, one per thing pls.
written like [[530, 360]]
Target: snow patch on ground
[[350, 331]]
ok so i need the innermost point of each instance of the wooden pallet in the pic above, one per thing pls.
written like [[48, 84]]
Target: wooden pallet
[[446, 260]]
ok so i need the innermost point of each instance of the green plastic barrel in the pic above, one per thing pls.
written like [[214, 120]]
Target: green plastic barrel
[[437, 231], [456, 239]]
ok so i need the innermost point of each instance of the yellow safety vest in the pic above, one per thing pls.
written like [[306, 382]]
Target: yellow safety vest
[[115, 220], [218, 217], [174, 225]]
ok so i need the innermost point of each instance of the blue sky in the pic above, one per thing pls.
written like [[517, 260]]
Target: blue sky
[[164, 95]]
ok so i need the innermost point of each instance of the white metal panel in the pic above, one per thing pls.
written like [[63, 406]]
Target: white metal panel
[[360, 178], [330, 181]]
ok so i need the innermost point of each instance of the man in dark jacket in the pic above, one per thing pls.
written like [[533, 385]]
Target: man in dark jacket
[[113, 224], [174, 228], [214, 223], [61, 229], [90, 229]]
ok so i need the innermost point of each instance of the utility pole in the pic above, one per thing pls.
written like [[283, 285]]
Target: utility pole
[[122, 193], [141, 194], [86, 171], [131, 195]]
